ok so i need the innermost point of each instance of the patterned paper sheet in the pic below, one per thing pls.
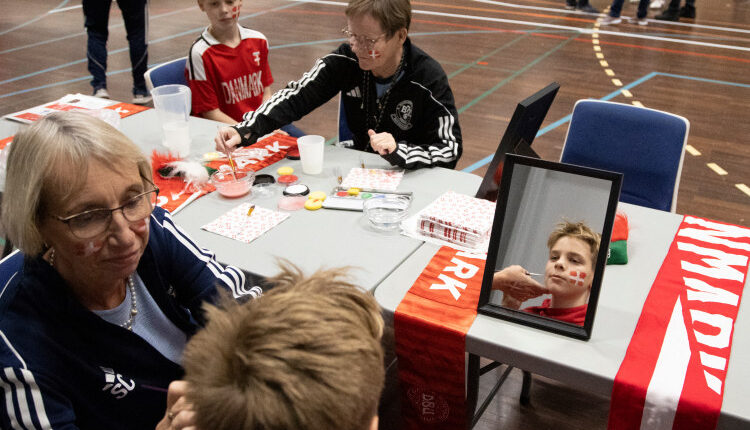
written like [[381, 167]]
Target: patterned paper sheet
[[235, 224], [378, 179], [461, 212]]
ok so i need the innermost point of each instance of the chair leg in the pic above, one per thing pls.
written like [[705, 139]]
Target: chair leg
[[526, 389]]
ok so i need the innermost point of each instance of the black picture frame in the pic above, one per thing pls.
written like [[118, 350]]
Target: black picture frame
[[520, 133], [602, 190]]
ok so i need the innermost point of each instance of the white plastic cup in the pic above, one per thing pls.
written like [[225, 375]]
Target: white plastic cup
[[311, 153], [172, 104]]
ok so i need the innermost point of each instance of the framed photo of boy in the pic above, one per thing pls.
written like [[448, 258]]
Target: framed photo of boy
[[548, 246]]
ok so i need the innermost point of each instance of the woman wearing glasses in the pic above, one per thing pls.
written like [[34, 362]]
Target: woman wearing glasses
[[93, 328], [396, 98]]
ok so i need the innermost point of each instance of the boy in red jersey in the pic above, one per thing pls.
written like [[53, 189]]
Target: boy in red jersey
[[227, 69], [573, 248]]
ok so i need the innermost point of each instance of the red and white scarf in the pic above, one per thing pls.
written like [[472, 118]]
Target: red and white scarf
[[675, 366], [431, 324]]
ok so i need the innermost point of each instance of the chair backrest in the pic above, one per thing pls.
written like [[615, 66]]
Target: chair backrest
[[344, 132], [171, 72], [647, 146]]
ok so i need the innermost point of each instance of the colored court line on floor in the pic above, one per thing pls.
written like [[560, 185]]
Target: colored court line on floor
[[484, 161], [32, 20]]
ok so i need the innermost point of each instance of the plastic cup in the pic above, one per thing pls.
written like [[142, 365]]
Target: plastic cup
[[311, 153], [172, 104]]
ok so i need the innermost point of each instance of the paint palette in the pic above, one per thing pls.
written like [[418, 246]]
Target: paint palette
[[353, 199]]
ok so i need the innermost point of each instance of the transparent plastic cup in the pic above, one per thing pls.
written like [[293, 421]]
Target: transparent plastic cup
[[172, 104]]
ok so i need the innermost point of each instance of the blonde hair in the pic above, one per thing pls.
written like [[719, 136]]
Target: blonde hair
[[392, 15], [306, 355], [51, 157], [577, 230]]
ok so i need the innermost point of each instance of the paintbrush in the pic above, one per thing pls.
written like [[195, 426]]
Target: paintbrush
[[229, 155]]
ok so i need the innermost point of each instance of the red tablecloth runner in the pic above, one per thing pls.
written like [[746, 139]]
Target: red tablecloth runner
[[431, 324], [675, 366], [173, 192]]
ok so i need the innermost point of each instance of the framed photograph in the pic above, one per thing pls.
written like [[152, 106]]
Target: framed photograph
[[548, 246]]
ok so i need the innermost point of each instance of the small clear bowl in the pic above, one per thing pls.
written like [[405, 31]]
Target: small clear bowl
[[386, 213], [232, 185]]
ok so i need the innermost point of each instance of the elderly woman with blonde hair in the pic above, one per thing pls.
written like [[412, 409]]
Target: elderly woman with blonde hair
[[93, 328]]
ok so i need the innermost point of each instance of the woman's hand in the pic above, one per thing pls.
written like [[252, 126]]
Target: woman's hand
[[179, 413], [382, 143], [227, 138], [516, 283]]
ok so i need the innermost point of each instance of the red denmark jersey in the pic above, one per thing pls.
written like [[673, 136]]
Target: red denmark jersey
[[576, 315], [230, 79]]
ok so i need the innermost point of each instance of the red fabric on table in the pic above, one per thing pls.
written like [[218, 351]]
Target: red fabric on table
[[430, 326], [172, 190], [675, 366]]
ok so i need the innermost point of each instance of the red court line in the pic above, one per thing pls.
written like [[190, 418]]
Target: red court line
[[552, 36], [601, 42]]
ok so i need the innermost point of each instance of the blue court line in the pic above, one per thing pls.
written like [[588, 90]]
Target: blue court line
[[33, 20], [484, 161]]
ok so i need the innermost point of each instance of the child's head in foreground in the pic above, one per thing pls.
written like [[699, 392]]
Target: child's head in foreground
[[305, 355], [573, 248]]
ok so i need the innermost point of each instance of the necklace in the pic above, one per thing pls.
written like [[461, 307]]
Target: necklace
[[380, 105], [128, 324]]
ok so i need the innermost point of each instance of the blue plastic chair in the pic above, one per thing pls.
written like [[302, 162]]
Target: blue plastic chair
[[345, 134], [171, 72], [647, 146]]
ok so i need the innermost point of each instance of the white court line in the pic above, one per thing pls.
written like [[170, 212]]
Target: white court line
[[691, 149], [64, 9], [744, 188], [554, 26], [682, 24]]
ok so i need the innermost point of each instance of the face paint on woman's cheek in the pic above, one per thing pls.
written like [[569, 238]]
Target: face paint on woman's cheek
[[576, 278], [235, 12], [374, 54], [140, 226], [89, 248]]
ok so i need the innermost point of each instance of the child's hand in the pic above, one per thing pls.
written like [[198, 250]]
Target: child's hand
[[516, 282]]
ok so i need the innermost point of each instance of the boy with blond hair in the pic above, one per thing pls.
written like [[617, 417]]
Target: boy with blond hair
[[306, 355], [569, 272]]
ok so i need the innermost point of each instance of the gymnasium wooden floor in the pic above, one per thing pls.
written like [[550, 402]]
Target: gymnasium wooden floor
[[495, 54]]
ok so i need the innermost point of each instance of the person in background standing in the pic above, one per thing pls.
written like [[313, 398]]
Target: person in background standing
[[135, 15], [674, 12]]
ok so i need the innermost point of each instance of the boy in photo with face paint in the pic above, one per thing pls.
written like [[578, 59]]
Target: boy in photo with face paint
[[227, 68], [573, 248], [395, 97]]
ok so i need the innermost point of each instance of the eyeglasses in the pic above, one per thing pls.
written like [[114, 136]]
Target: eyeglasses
[[361, 40], [88, 224]]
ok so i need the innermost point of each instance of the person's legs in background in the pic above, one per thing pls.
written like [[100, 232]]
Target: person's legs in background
[[642, 15], [584, 6], [688, 11], [615, 9], [135, 15], [96, 14], [674, 12]]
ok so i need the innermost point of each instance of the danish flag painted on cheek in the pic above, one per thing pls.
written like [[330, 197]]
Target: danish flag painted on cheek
[[576, 278], [373, 54]]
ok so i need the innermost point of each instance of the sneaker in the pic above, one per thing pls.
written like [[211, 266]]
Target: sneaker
[[642, 21], [101, 93], [656, 4], [668, 15], [588, 8], [570, 5], [687, 12], [610, 20], [141, 99]]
